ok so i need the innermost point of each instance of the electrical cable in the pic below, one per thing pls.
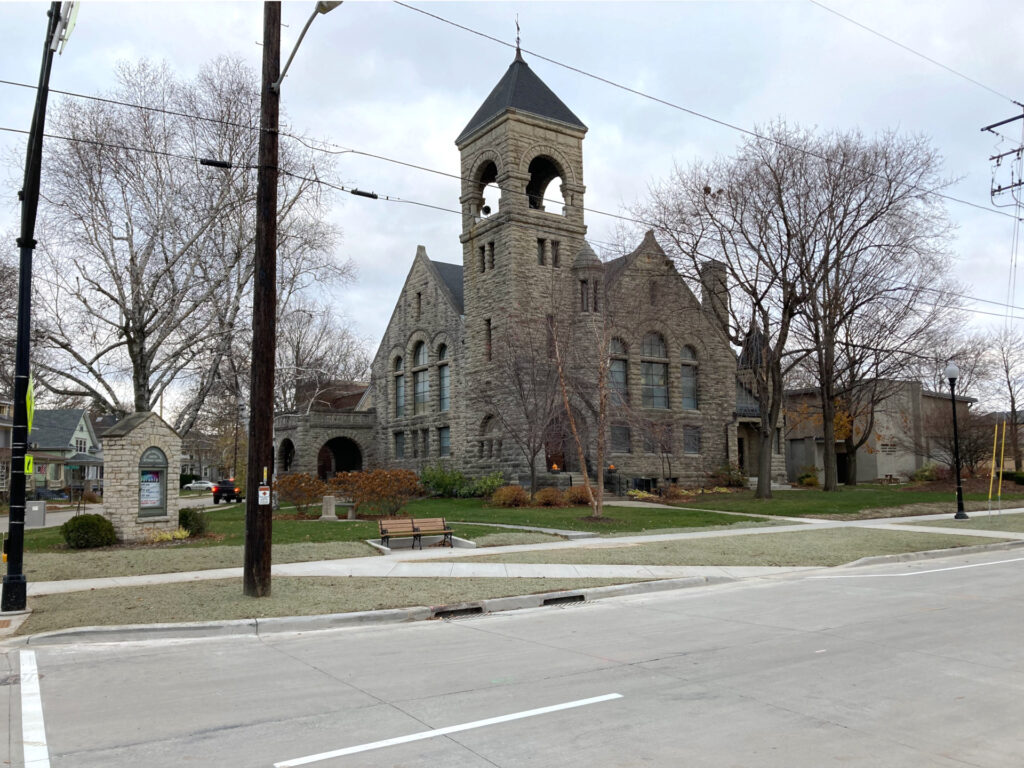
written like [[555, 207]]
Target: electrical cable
[[687, 110]]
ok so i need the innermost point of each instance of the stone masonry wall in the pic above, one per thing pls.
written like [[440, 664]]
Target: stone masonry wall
[[121, 456]]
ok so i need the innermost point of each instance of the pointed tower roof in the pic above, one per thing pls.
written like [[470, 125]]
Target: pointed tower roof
[[586, 258], [520, 90]]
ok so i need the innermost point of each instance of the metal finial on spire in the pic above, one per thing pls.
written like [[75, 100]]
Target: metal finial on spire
[[517, 35]]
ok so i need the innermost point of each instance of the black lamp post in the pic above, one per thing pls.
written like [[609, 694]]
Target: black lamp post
[[953, 373]]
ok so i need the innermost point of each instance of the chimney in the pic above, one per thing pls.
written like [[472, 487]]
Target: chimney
[[714, 293]]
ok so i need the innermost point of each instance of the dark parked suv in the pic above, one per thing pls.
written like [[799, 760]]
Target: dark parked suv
[[226, 490]]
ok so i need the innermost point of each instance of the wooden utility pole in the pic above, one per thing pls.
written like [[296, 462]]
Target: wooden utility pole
[[258, 517]]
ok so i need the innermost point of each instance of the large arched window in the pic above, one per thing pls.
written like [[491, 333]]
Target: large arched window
[[618, 372], [654, 371], [420, 382], [688, 377], [399, 387], [443, 379]]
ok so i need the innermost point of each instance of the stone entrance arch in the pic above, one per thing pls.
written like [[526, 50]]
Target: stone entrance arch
[[339, 454], [285, 456]]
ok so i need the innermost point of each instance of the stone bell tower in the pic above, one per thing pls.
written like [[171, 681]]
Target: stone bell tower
[[522, 213]]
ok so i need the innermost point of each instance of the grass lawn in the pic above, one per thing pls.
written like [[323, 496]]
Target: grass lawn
[[848, 501], [223, 599], [980, 521], [617, 519], [828, 547]]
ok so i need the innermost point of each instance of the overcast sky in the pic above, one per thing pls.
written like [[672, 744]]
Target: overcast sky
[[379, 77]]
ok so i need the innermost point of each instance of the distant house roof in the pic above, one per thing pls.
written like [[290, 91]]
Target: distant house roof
[[131, 421], [54, 429], [520, 90], [451, 274]]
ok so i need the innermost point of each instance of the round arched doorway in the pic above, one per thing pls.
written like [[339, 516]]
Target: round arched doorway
[[339, 454], [286, 456]]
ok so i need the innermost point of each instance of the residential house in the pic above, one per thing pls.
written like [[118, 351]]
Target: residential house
[[66, 451]]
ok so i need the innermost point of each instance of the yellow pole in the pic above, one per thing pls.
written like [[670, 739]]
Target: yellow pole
[[1002, 454], [992, 473]]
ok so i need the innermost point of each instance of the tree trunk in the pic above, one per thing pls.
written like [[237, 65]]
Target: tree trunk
[[764, 467], [828, 425]]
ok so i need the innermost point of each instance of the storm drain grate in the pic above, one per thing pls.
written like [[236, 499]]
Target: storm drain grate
[[458, 613], [564, 600]]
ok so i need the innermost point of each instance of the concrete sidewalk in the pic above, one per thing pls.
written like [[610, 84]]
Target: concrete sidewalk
[[418, 563]]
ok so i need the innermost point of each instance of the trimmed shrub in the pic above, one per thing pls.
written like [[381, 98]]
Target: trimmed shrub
[[482, 487], [576, 495], [440, 480], [88, 531], [301, 489], [549, 497], [193, 520], [925, 474], [728, 476], [675, 493], [510, 496], [384, 491], [808, 477], [637, 495]]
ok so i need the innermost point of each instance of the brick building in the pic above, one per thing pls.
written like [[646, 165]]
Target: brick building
[[530, 294]]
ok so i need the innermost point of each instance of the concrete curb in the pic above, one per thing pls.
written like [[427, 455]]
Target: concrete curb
[[256, 627], [933, 554]]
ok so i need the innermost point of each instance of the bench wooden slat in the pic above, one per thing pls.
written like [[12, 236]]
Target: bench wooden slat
[[406, 527]]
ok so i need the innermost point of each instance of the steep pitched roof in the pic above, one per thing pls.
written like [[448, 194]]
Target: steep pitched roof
[[520, 90], [451, 276], [55, 428]]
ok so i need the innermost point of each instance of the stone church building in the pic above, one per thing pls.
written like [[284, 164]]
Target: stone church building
[[467, 371]]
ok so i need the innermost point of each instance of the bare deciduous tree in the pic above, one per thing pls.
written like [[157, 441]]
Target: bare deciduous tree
[[147, 256]]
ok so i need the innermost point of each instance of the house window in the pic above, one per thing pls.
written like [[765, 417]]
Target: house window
[[654, 373], [443, 380], [688, 377], [419, 355], [487, 338], [540, 251], [691, 440], [399, 445], [617, 373], [80, 444], [490, 255], [554, 254], [399, 388], [620, 439], [584, 296], [483, 258], [444, 441], [419, 303]]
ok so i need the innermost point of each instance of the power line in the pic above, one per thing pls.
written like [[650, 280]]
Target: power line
[[915, 52], [687, 110]]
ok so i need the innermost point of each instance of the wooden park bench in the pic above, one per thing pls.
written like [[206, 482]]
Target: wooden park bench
[[407, 527]]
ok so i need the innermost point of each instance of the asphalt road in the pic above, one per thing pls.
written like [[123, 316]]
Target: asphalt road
[[916, 664]]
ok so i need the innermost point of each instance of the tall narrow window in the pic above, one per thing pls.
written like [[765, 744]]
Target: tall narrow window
[[420, 381], [443, 380], [654, 372], [689, 378], [540, 251], [554, 254], [444, 441], [483, 258], [597, 293], [620, 439], [487, 338], [490, 255], [691, 440], [419, 303], [584, 296], [399, 445], [399, 388], [618, 383]]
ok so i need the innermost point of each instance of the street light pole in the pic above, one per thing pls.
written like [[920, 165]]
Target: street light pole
[[953, 373], [258, 510], [15, 587], [258, 517]]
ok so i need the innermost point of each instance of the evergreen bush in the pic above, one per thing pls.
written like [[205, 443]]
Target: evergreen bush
[[88, 531], [193, 520]]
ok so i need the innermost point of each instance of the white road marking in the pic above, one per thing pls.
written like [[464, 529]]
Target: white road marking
[[916, 573], [443, 731], [33, 730]]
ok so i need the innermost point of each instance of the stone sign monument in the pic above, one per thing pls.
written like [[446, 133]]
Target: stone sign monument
[[140, 476]]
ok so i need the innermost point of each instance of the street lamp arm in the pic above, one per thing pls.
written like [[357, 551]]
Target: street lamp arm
[[321, 7]]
